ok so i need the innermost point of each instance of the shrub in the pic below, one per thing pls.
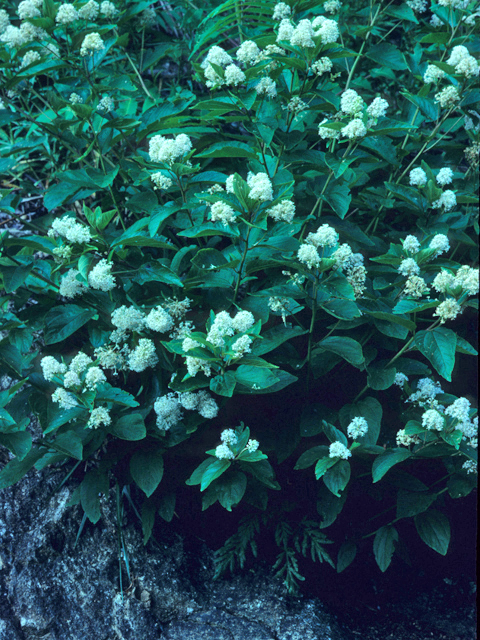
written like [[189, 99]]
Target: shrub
[[293, 201]]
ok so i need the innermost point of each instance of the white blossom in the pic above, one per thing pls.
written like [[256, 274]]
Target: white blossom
[[66, 14], [228, 436], [242, 321], [440, 243], [75, 99], [143, 356], [322, 66], [467, 278], [223, 452], [80, 363], [324, 236], [339, 450], [459, 410], [241, 346], [71, 379], [411, 244], [403, 439], [444, 176], [432, 420], [64, 399], [448, 310], [266, 87], [51, 367], [89, 11], [100, 277], [248, 52], [400, 379], [447, 200], [160, 180], [94, 377], [354, 129], [106, 104], [281, 10], [408, 267], [285, 30], [282, 212], [418, 177], [128, 318], [234, 75], [308, 254], [447, 97], [420, 6], [207, 407], [328, 30], [168, 410], [168, 150], [260, 186], [433, 74], [442, 281], [357, 428], [91, 43], [108, 9], [415, 287], [70, 286], [221, 327], [4, 20], [351, 103], [377, 108], [99, 416], [70, 229], [302, 35], [252, 446], [29, 9], [159, 320], [332, 6], [222, 212]]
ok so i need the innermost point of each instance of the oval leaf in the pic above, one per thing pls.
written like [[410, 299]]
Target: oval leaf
[[434, 529], [146, 468]]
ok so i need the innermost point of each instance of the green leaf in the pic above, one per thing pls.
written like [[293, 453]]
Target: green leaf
[[434, 529], [341, 309], [336, 478], [70, 443], [347, 348], [224, 384], [93, 484], [380, 378], [148, 519], [213, 471], [274, 337], [410, 504], [463, 346], [231, 489], [14, 277], [323, 465], [18, 442], [16, 469], [329, 506], [61, 322], [228, 150], [255, 377], [129, 427], [387, 55], [438, 346], [428, 107], [166, 507], [107, 393], [146, 468], [346, 555], [338, 197], [208, 258], [384, 546], [310, 456], [387, 460]]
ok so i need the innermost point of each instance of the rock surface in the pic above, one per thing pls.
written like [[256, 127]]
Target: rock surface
[[53, 590]]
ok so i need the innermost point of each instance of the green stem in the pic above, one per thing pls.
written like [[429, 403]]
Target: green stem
[[240, 269]]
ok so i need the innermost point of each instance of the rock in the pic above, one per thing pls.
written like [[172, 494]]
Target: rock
[[54, 590]]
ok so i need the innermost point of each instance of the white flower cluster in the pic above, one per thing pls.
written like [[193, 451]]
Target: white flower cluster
[[100, 277], [440, 243], [260, 186], [354, 129], [66, 14], [4, 20], [29, 9], [411, 244], [448, 310], [470, 466], [464, 63], [279, 305], [75, 99], [229, 438], [98, 417], [351, 103], [321, 66], [128, 319], [408, 267], [357, 428], [159, 320], [447, 97], [108, 9], [325, 236], [326, 29], [327, 133], [143, 356], [302, 35], [218, 57], [160, 180], [51, 367], [91, 43], [433, 420], [222, 212], [400, 379], [418, 177], [64, 399], [282, 212], [332, 6], [444, 176], [169, 407], [234, 76], [339, 450], [405, 440], [106, 104], [248, 52], [166, 150], [296, 105], [433, 74], [70, 285], [415, 287], [281, 11], [29, 58], [70, 229], [425, 394], [89, 11], [447, 200], [377, 108], [420, 6], [352, 265], [266, 87], [224, 325], [16, 37]]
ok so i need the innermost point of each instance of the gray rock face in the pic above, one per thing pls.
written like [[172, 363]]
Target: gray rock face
[[52, 590]]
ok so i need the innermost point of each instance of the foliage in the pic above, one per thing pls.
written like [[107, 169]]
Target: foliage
[[237, 204]]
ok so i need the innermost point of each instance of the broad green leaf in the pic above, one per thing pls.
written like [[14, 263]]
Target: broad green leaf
[[70, 443], [18, 442], [438, 346], [339, 198], [274, 337], [146, 468], [223, 385], [323, 465], [328, 505], [14, 277], [434, 529], [94, 483], [336, 478], [380, 378], [387, 460], [107, 393], [255, 377], [148, 519], [310, 456], [62, 321], [228, 150], [342, 309], [387, 55], [166, 507], [213, 471], [347, 348], [410, 503], [384, 546], [16, 469], [129, 427], [231, 489], [346, 555]]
